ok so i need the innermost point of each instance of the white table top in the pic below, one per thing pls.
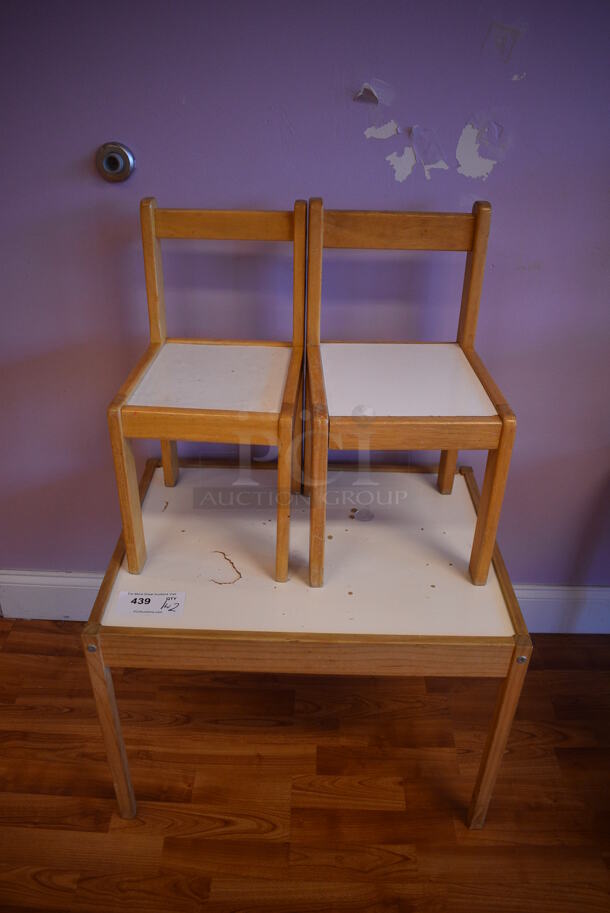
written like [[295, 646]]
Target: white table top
[[404, 571], [401, 379], [244, 378]]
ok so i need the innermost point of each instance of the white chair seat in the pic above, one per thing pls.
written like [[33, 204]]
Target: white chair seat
[[241, 378], [401, 379]]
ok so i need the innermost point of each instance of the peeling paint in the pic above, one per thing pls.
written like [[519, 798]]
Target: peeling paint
[[471, 163], [501, 39], [493, 138], [423, 148], [427, 149], [385, 131], [441, 164], [375, 92], [425, 144], [517, 77], [366, 93], [403, 164]]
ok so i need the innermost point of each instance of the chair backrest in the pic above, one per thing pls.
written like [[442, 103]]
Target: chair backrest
[[373, 230], [220, 225]]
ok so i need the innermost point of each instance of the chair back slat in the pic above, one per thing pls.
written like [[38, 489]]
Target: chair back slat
[[398, 230], [220, 225], [224, 225], [375, 230]]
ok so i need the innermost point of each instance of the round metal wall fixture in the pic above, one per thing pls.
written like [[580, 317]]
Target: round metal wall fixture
[[114, 161]]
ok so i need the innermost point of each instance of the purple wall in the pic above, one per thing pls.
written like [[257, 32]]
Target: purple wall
[[241, 104]]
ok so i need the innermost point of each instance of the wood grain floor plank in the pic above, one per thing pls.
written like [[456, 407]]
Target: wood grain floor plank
[[229, 785], [167, 820], [300, 896], [225, 702], [482, 898], [585, 767], [64, 850], [166, 782], [6, 625], [521, 759], [572, 651], [236, 856], [71, 813], [595, 705], [569, 682], [297, 794], [386, 761], [25, 670], [497, 865], [41, 747], [44, 638], [312, 826], [359, 792], [141, 892], [34, 888], [47, 714], [363, 702], [219, 751], [26, 887], [352, 862], [408, 733]]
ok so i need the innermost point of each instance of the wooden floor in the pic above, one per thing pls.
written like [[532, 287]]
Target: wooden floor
[[294, 794]]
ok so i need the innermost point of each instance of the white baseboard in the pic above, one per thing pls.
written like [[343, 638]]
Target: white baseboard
[[565, 609], [49, 595]]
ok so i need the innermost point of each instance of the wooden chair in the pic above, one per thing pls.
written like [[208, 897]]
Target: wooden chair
[[404, 396], [229, 391]]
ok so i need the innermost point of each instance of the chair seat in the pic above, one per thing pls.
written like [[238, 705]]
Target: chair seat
[[401, 379], [231, 377]]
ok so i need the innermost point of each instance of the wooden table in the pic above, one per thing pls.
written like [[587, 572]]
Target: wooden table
[[397, 598]]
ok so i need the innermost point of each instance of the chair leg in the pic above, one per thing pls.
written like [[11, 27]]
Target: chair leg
[[317, 508], [105, 701], [499, 731], [129, 495], [284, 478], [307, 445], [494, 483], [446, 471], [297, 443], [169, 460]]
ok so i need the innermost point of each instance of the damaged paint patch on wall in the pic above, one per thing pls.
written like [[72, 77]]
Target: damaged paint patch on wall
[[375, 92], [427, 149], [493, 137], [403, 164], [517, 77], [441, 164], [501, 40], [423, 147], [482, 144], [471, 163], [385, 131]]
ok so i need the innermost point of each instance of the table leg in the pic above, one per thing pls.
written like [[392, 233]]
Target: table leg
[[508, 698], [103, 691]]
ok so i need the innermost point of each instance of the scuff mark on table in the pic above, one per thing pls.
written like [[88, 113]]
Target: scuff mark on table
[[237, 571]]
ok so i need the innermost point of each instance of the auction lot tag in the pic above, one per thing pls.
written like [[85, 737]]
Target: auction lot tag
[[170, 604]]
